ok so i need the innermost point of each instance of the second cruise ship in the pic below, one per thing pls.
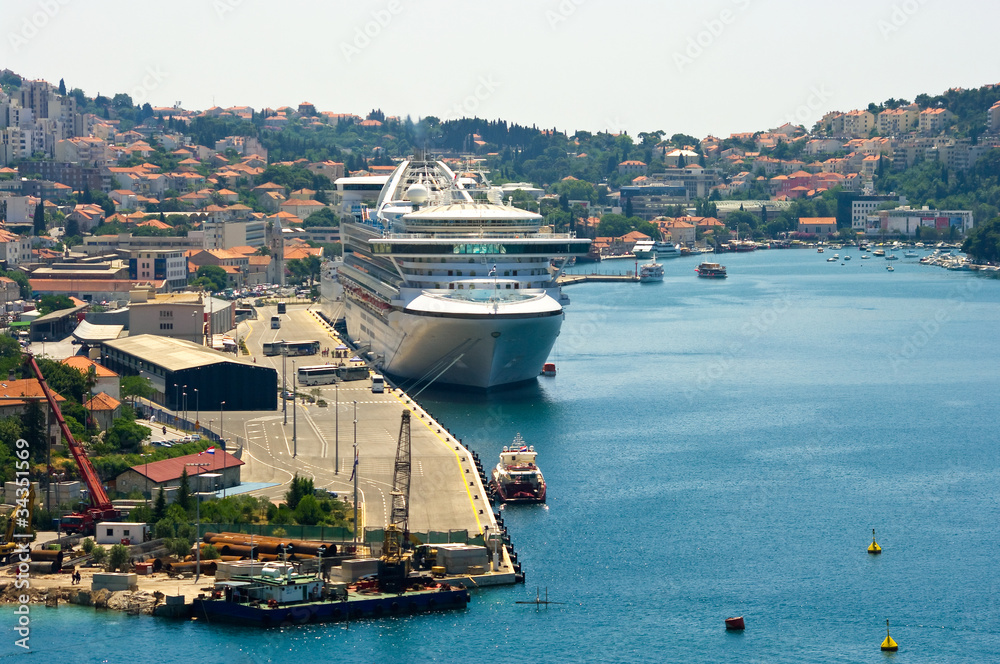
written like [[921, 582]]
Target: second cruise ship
[[447, 284]]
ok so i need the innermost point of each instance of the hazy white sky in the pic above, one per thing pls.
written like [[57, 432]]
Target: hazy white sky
[[717, 66]]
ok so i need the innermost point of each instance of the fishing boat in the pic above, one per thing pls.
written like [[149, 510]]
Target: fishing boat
[[517, 478], [279, 595], [650, 272], [711, 271], [878, 252]]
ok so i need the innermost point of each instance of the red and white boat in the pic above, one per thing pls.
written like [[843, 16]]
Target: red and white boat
[[517, 479]]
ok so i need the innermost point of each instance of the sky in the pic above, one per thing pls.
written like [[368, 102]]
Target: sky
[[709, 67]]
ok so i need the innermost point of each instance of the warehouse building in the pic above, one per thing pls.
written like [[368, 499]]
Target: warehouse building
[[184, 373]]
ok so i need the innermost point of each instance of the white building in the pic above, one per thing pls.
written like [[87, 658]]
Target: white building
[[905, 221], [864, 206]]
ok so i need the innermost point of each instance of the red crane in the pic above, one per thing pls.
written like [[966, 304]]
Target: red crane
[[100, 508]]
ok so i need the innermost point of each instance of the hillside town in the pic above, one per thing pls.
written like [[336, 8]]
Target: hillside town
[[100, 197]]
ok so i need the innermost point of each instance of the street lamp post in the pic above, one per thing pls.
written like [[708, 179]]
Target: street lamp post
[[222, 426], [177, 398], [197, 409], [222, 439], [197, 551], [336, 429], [295, 396], [284, 383], [355, 472], [184, 397]]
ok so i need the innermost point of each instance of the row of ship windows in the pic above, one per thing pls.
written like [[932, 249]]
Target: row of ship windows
[[472, 273], [473, 260], [451, 286]]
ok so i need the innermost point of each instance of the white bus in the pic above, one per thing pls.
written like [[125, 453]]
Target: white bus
[[321, 374], [378, 383], [275, 322]]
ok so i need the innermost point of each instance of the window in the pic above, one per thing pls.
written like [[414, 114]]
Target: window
[[111, 532], [124, 533]]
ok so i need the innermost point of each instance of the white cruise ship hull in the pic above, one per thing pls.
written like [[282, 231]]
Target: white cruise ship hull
[[482, 351]]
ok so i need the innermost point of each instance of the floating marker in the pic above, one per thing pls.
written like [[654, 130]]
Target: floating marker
[[874, 548], [889, 644], [735, 624]]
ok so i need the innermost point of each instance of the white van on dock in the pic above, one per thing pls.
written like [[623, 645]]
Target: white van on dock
[[378, 383]]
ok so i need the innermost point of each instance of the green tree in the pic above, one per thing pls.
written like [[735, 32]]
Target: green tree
[[99, 554], [33, 428], [321, 218], [983, 242], [160, 506], [299, 488], [118, 558], [308, 512], [126, 436], [136, 386], [39, 219], [50, 303], [184, 492], [210, 277]]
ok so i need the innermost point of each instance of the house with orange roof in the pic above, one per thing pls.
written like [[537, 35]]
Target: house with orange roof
[[632, 167], [818, 225], [87, 215], [679, 230], [107, 381], [301, 208], [934, 120], [11, 403], [155, 223], [302, 252]]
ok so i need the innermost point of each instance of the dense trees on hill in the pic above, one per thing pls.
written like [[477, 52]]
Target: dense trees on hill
[[933, 184]]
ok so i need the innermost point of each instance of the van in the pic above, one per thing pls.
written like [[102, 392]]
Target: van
[[282, 308], [275, 323], [378, 384]]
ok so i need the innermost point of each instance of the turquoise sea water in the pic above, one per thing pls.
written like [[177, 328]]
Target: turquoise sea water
[[712, 448]]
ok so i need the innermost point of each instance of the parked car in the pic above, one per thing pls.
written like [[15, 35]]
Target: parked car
[[161, 443]]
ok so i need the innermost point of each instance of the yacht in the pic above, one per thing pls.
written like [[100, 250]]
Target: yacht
[[643, 249], [443, 282], [666, 249]]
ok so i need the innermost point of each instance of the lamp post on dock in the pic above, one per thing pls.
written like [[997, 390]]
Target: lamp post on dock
[[295, 396], [354, 473], [336, 430], [197, 551]]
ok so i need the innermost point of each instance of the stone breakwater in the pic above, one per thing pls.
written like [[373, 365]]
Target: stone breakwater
[[132, 601]]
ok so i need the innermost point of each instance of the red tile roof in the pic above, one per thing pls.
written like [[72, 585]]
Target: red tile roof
[[172, 469]]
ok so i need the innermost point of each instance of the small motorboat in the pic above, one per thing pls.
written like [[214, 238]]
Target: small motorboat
[[847, 257], [735, 623], [549, 369], [831, 259], [890, 268]]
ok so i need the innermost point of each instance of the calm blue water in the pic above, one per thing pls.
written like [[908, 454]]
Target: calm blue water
[[713, 448]]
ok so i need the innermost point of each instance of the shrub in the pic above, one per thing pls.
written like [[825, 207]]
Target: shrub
[[87, 545], [99, 554], [210, 553], [118, 558]]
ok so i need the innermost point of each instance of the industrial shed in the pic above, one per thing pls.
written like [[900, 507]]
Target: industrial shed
[[171, 364]]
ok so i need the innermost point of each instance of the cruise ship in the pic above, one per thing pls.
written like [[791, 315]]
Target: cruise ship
[[445, 283]]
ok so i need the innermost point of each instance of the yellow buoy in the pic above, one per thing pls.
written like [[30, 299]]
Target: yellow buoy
[[874, 548], [889, 644]]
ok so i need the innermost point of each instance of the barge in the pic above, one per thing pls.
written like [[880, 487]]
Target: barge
[[280, 596]]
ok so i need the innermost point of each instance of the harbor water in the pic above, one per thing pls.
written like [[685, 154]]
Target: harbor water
[[712, 448]]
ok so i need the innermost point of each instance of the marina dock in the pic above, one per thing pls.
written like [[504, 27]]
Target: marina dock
[[570, 279]]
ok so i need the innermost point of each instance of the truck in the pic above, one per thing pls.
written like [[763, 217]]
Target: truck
[[282, 307], [101, 508]]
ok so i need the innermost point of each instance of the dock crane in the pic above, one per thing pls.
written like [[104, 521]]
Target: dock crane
[[394, 565], [101, 508]]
